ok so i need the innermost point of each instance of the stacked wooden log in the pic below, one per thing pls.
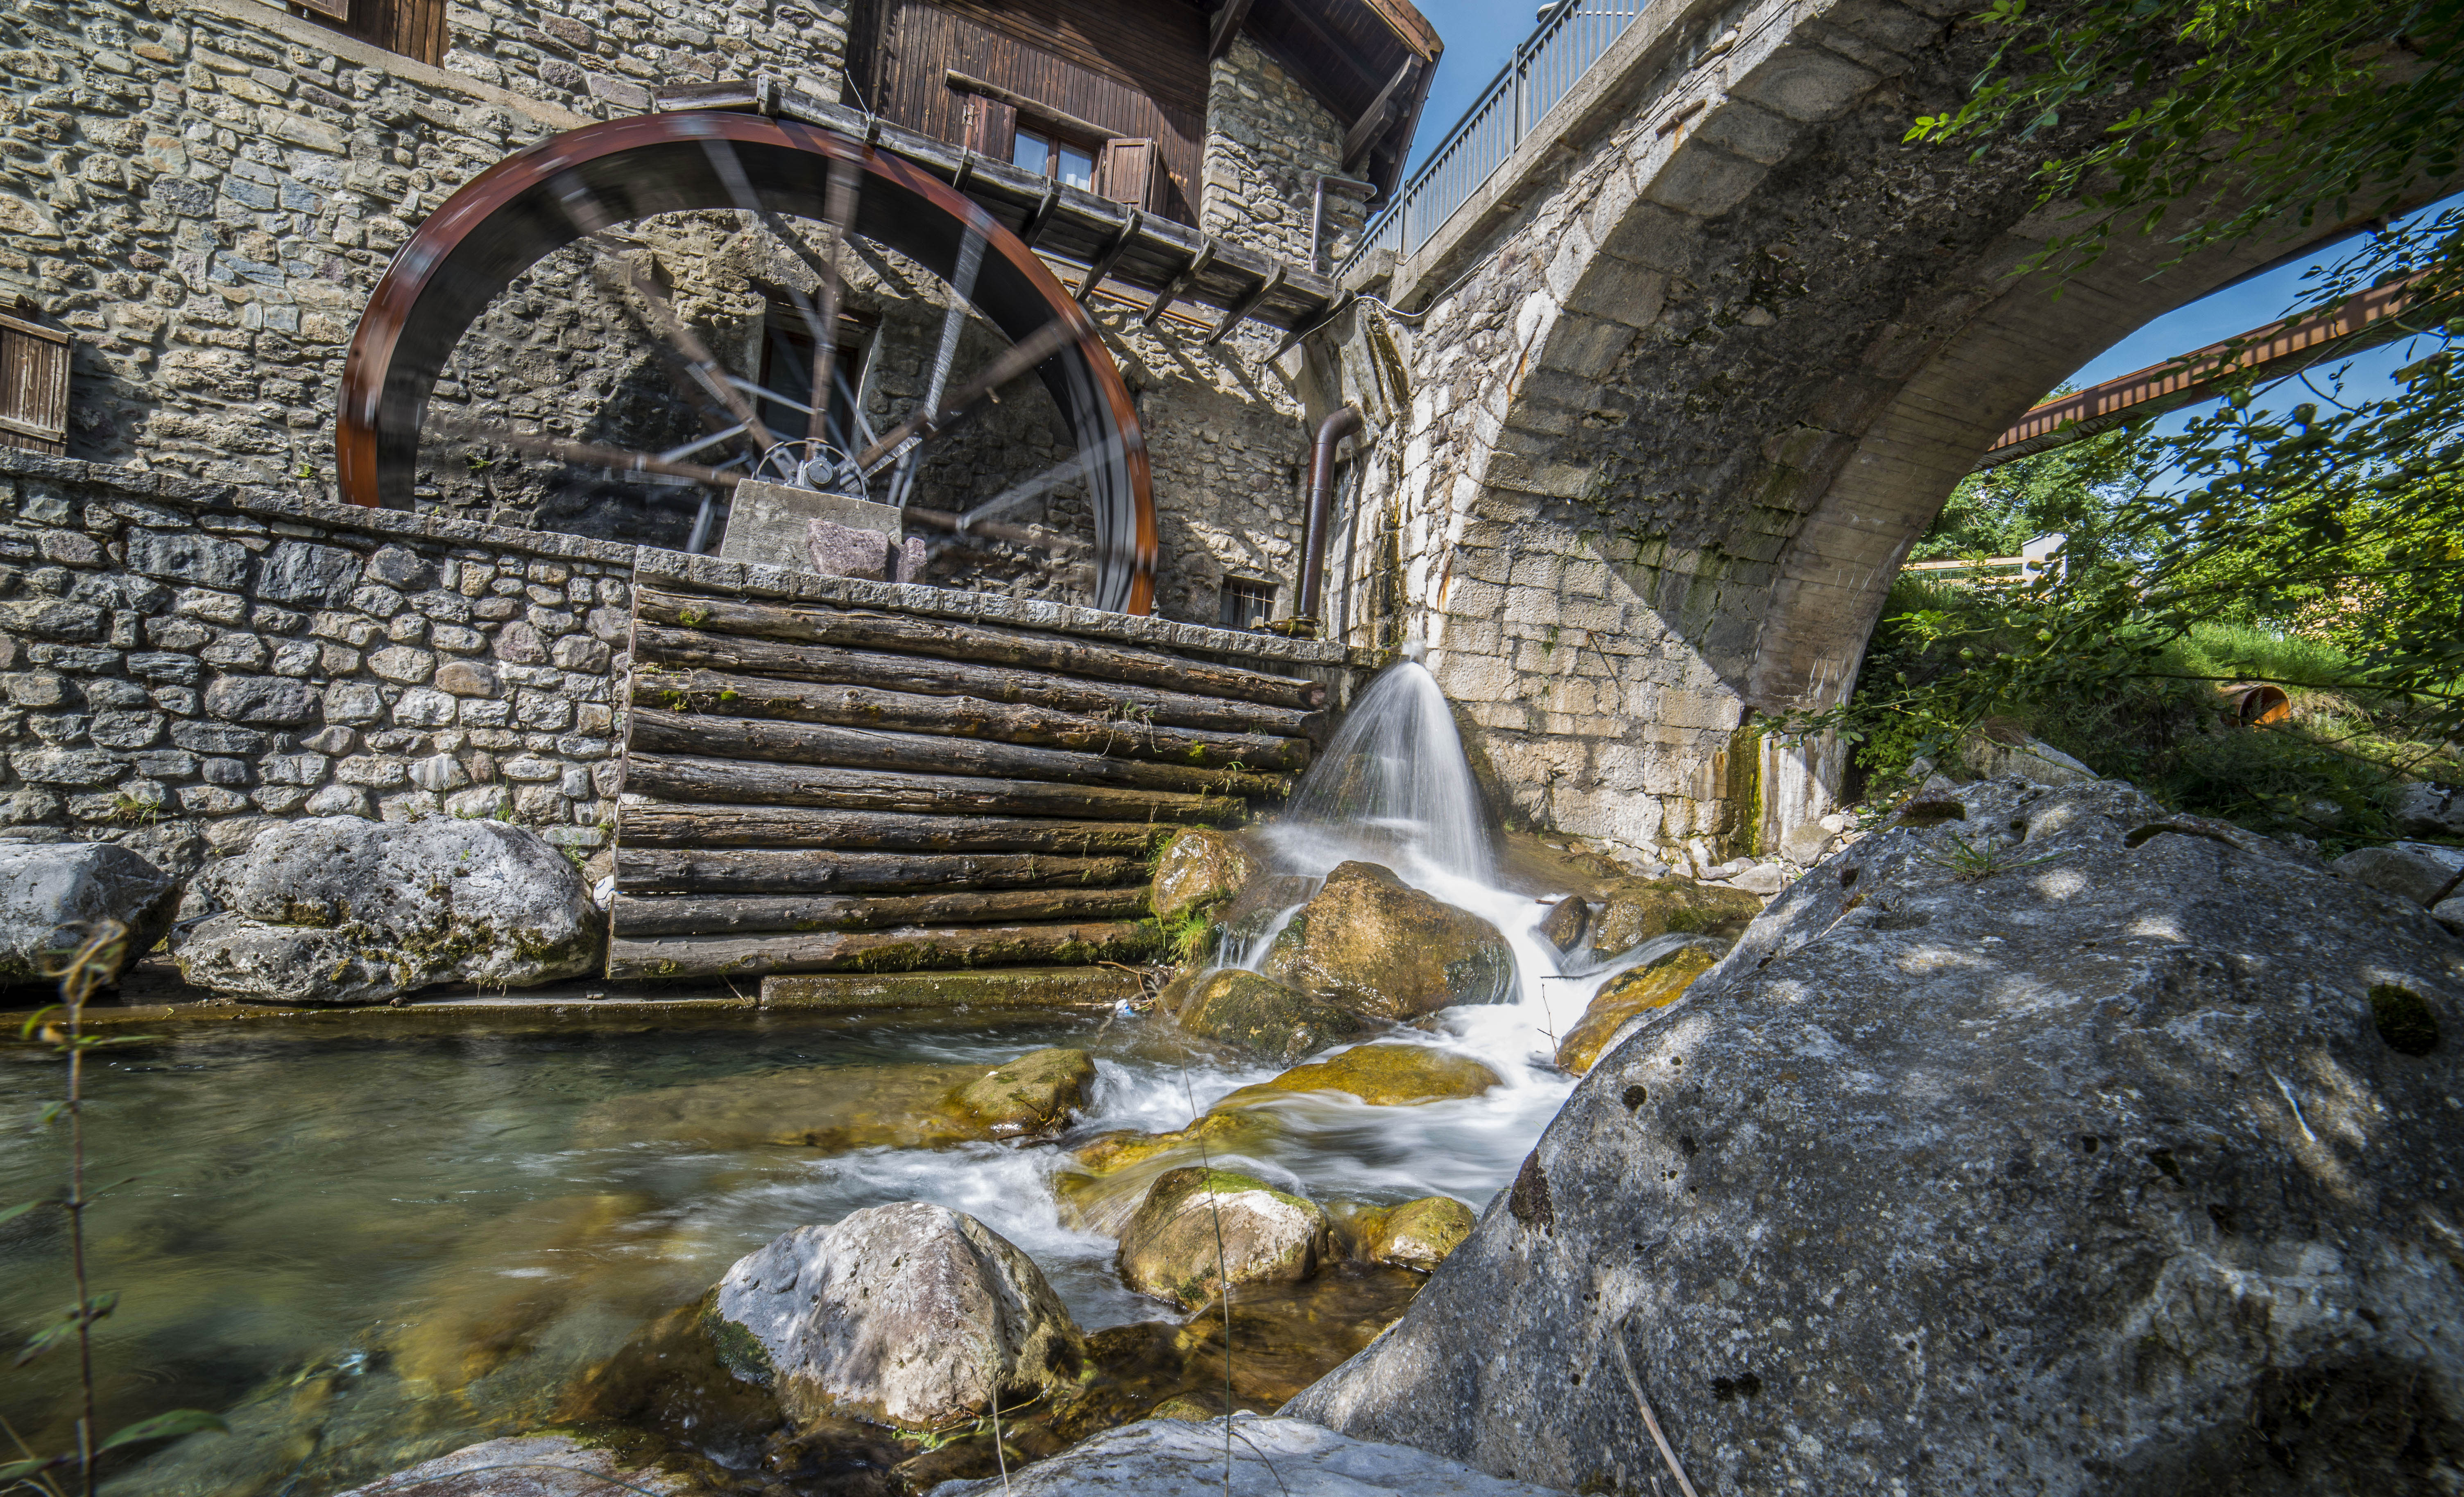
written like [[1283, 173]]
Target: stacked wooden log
[[824, 788]]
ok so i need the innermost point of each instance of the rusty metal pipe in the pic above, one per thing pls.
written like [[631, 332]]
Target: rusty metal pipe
[[1329, 431]]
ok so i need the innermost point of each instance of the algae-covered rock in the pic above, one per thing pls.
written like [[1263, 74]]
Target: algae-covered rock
[[1370, 943], [1624, 995], [338, 910], [1202, 1229], [1636, 910], [1417, 1234], [1566, 922], [1252, 911], [1262, 1015], [1109, 1176], [1033, 1094], [1382, 1075], [1201, 866], [910, 1315]]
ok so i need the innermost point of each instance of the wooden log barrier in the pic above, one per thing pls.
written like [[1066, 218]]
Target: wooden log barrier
[[654, 824], [898, 950], [713, 914], [766, 871], [755, 782], [749, 654], [718, 694], [916, 635]]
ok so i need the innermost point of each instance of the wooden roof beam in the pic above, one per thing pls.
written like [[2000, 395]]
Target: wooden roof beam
[[1227, 26]]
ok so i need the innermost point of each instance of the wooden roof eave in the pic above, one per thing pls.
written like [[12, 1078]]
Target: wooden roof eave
[[1079, 227]]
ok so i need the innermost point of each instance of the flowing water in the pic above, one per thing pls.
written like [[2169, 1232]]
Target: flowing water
[[369, 1250]]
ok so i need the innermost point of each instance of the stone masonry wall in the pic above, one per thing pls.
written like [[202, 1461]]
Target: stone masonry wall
[[1269, 139], [206, 193], [181, 661]]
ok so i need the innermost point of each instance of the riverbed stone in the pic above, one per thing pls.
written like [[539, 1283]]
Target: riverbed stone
[[1636, 910], [339, 910], [2418, 871], [1625, 996], [1032, 1096], [52, 894], [1262, 1016], [1176, 1456], [1566, 922], [534, 1465], [2126, 1169], [1370, 943], [2426, 808], [1418, 1234], [1200, 869], [1381, 1076], [1200, 1229], [911, 1315]]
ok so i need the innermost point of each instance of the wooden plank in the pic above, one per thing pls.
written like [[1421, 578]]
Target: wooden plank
[[1169, 790], [688, 914], [755, 656], [762, 870], [658, 824], [724, 693], [906, 949], [914, 635], [1013, 990], [742, 783], [1227, 26]]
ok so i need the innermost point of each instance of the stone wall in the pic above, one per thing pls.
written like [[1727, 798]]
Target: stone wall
[[206, 193], [1269, 139], [182, 660]]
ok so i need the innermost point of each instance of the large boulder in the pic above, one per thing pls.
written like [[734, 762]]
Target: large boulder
[[909, 1315], [1172, 1456], [1636, 910], [1628, 995], [338, 910], [1201, 868], [2415, 870], [2427, 809], [53, 895], [1032, 1096], [1200, 1229], [1372, 944], [2115, 1157], [1260, 1014], [1381, 1076], [1997, 751]]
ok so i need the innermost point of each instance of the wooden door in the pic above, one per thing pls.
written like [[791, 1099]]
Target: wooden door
[[34, 384]]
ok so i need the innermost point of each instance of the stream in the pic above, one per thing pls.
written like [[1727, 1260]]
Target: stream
[[366, 1251]]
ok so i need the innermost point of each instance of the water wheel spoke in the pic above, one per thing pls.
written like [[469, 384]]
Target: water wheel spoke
[[954, 323], [928, 420], [700, 442], [588, 453], [1043, 483], [840, 206]]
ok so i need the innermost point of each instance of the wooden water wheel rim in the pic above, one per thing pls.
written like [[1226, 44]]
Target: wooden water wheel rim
[[509, 218]]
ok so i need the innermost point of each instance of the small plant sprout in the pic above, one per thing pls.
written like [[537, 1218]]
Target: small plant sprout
[[1971, 862]]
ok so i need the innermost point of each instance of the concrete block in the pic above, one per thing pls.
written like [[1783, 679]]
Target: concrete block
[[1805, 82]]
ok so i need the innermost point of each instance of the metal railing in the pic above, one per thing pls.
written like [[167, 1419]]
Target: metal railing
[[1550, 62]]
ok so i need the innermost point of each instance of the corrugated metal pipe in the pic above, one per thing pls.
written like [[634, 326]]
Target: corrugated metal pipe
[[1329, 431]]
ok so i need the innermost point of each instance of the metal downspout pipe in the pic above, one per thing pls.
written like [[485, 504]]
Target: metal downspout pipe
[[1329, 431]]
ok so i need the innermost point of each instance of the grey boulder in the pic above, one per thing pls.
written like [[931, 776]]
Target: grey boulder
[[1269, 1457], [531, 1466], [2413, 871], [2000, 753], [53, 894], [911, 1315], [338, 910], [2113, 1155], [2424, 809]]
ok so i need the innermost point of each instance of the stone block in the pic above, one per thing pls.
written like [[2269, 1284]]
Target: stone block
[[477, 713], [53, 618], [457, 639], [379, 771], [353, 702], [401, 568], [481, 802], [292, 769], [272, 701], [219, 738], [531, 768], [1747, 130], [425, 707], [337, 800], [542, 710], [126, 730], [1805, 83], [581, 652], [295, 571], [467, 678], [231, 772], [402, 663], [211, 801], [1704, 179], [519, 643], [187, 557]]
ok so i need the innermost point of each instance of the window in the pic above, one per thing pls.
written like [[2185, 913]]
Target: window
[[1248, 602], [412, 27], [787, 370], [1051, 157]]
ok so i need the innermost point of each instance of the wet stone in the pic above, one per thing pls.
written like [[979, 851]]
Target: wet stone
[[1200, 1229], [1627, 995]]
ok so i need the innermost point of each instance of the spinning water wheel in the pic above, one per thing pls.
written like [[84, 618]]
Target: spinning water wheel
[[582, 186]]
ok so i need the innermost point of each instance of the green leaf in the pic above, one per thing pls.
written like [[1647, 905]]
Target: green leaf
[[13, 1213], [166, 1426], [19, 1470]]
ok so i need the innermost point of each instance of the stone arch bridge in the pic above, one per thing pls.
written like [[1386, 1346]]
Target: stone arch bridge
[[1682, 383]]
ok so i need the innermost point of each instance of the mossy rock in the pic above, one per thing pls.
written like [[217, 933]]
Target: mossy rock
[[1200, 867], [1626, 995], [1370, 943], [1254, 908], [1418, 1234], [1262, 1016], [1382, 1075], [1200, 1230], [1638, 909], [1109, 1175], [1032, 1095]]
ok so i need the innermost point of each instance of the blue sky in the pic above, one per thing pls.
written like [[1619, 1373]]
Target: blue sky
[[1480, 36]]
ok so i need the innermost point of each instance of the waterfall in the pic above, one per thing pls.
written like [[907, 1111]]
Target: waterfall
[[1394, 787]]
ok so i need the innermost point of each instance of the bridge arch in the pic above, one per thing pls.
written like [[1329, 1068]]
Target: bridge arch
[[1655, 460]]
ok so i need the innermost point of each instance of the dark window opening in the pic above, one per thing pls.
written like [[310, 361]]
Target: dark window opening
[[412, 27], [1248, 602], [1050, 156], [788, 373]]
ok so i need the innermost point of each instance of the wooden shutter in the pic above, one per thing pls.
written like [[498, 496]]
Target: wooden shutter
[[412, 27], [1131, 172], [992, 126], [34, 383]]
